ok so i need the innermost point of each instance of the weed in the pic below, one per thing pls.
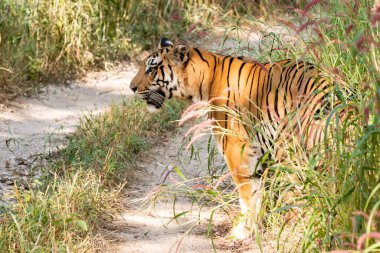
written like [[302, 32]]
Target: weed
[[82, 189], [318, 202], [53, 40]]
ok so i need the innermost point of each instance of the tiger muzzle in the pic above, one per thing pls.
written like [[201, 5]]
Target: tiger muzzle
[[154, 98]]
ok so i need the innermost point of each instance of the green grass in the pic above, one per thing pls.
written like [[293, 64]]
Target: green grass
[[82, 188], [55, 40], [331, 206], [333, 196], [329, 200]]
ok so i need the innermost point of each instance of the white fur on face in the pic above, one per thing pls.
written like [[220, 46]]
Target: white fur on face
[[152, 109], [153, 61]]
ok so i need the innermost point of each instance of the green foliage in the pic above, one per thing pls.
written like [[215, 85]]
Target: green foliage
[[111, 142], [55, 40], [331, 194], [332, 204], [62, 210], [329, 200], [57, 215]]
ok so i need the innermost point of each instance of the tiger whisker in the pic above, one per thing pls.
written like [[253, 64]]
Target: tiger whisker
[[158, 99], [156, 95], [154, 99]]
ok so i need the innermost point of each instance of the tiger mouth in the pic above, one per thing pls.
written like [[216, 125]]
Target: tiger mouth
[[154, 103], [153, 98]]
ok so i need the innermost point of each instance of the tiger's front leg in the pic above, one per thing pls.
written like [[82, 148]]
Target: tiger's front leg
[[243, 163]]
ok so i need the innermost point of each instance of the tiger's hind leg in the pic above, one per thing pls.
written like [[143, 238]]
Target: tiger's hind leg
[[243, 163]]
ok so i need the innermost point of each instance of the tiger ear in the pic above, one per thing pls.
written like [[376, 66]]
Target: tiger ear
[[164, 42], [181, 53]]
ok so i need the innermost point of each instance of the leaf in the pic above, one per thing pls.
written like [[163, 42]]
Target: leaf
[[209, 231], [242, 151], [82, 224], [176, 169], [180, 214], [286, 208]]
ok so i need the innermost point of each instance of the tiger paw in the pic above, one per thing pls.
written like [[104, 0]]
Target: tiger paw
[[241, 231]]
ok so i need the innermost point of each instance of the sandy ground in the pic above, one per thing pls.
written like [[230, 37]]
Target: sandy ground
[[150, 228], [147, 225], [33, 128]]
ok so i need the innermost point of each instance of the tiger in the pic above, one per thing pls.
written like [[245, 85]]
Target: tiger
[[267, 92]]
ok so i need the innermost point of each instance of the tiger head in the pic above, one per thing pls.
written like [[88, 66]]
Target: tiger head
[[161, 75]]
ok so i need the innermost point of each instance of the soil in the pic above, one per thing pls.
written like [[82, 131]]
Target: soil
[[147, 225], [32, 129]]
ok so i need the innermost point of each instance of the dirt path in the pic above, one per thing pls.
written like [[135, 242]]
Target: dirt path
[[145, 228], [147, 224], [32, 128]]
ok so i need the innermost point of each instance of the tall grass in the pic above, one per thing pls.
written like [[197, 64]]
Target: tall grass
[[327, 200], [331, 199], [333, 206], [55, 40], [336, 195], [79, 191]]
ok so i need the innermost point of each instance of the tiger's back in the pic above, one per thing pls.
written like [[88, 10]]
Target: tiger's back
[[287, 98]]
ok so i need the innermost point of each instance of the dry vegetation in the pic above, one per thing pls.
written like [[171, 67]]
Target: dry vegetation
[[336, 206]]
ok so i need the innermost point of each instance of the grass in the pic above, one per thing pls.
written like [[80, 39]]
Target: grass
[[54, 40], [334, 197], [328, 200], [62, 210], [335, 206]]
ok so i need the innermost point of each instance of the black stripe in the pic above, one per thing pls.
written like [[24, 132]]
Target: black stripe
[[297, 81], [250, 88], [263, 84], [307, 84], [307, 68], [278, 86], [291, 79], [224, 142], [223, 65], [228, 88], [213, 76], [289, 70], [193, 65], [162, 73], [171, 73], [276, 102], [307, 104], [238, 83], [240, 69], [258, 135], [201, 56], [269, 85], [258, 87], [200, 86]]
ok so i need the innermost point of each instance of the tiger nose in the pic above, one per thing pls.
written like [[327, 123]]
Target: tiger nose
[[134, 89]]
